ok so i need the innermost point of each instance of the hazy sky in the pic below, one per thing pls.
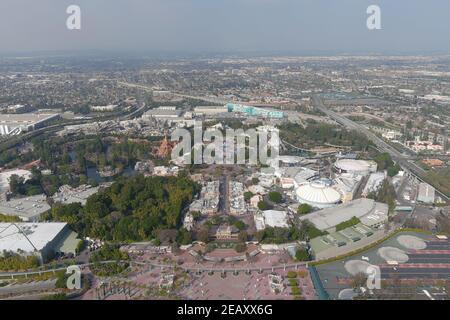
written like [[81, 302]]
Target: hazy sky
[[226, 26]]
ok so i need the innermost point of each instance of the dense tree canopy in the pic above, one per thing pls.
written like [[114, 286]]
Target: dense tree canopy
[[15, 261], [302, 255], [315, 134], [384, 162], [262, 205], [132, 209]]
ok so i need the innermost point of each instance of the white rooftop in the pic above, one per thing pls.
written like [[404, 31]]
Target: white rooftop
[[317, 193], [68, 195], [37, 235], [274, 218], [27, 208], [352, 165], [367, 210], [426, 193]]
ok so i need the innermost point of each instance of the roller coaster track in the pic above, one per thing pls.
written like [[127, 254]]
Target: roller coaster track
[[15, 140], [403, 160]]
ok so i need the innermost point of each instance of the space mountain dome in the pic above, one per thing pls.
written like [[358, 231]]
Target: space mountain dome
[[318, 194]]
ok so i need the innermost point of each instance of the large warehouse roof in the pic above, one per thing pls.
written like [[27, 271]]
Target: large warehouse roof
[[317, 194], [367, 210], [25, 118], [28, 236]]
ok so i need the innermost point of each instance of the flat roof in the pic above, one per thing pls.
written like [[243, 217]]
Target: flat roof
[[274, 218], [26, 208], [210, 107], [163, 112], [426, 192], [28, 236], [367, 210], [25, 118], [68, 195]]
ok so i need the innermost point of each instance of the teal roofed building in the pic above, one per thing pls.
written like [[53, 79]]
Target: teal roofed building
[[254, 111]]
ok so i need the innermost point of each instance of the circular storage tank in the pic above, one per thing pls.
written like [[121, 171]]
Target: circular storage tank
[[318, 194]]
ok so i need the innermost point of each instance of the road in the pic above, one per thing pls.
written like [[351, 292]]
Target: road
[[28, 287], [403, 160], [12, 141], [147, 88], [224, 205]]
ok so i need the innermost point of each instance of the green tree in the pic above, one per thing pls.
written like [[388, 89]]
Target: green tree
[[383, 161], [346, 224], [248, 195], [302, 255], [16, 184], [203, 234], [275, 197], [304, 208], [239, 224], [262, 205], [184, 237], [393, 170]]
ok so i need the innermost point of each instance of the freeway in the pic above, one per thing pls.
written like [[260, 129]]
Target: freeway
[[381, 144], [403, 160], [147, 88], [12, 141]]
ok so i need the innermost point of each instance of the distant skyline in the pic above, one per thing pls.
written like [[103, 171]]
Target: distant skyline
[[226, 26]]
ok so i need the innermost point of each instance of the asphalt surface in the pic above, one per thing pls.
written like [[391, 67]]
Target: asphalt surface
[[403, 160], [28, 287]]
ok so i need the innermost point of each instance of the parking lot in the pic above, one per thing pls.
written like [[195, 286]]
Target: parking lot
[[427, 260]]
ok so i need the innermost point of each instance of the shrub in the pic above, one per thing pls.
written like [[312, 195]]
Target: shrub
[[296, 290], [275, 197], [292, 282], [262, 205], [302, 255], [304, 208], [346, 224], [248, 195]]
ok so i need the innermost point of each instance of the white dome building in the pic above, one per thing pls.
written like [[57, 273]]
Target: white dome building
[[361, 167], [318, 194]]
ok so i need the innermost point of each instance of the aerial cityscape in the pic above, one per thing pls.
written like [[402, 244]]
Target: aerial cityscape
[[224, 176]]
